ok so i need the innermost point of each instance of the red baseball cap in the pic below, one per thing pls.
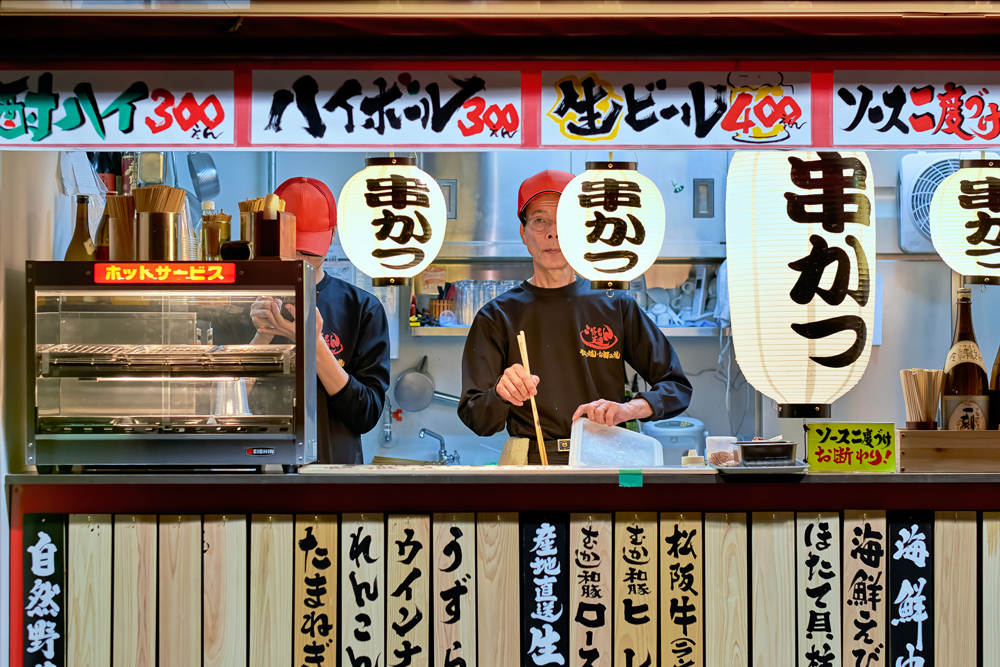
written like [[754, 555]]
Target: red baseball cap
[[550, 180], [315, 212]]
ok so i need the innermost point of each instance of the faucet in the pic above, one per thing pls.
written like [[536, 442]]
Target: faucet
[[387, 429], [444, 458]]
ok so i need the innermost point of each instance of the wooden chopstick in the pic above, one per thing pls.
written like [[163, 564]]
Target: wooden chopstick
[[534, 408]]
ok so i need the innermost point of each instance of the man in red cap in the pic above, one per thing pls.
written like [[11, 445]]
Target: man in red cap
[[578, 341], [352, 341]]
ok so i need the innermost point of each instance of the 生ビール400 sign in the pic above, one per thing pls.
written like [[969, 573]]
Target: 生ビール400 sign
[[109, 108]]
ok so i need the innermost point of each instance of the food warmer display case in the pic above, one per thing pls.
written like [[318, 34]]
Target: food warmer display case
[[154, 364]]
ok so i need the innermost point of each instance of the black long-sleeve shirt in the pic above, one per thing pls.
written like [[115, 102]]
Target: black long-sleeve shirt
[[357, 333], [578, 342]]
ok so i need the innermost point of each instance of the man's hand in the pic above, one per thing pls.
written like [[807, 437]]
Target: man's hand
[[266, 315], [320, 341], [516, 386], [611, 413]]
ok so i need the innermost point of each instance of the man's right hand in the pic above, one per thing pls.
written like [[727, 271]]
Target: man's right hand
[[516, 386], [266, 316]]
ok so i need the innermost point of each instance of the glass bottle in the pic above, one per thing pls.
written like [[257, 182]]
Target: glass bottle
[[964, 398], [995, 394], [102, 241], [81, 248]]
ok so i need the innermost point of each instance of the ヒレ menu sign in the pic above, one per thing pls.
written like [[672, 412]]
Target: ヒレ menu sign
[[649, 108], [108, 108], [319, 108]]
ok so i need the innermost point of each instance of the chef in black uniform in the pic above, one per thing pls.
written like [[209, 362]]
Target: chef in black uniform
[[578, 343]]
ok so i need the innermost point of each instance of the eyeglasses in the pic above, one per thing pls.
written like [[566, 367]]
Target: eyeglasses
[[540, 225]]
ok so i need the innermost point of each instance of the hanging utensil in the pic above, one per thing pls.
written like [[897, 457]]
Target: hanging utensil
[[204, 176], [414, 389]]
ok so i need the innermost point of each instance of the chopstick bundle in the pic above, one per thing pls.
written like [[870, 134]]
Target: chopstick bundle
[[121, 238], [921, 391], [534, 408], [158, 199], [257, 205]]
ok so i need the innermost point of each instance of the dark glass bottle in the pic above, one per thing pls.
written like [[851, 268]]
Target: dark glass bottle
[[964, 397], [995, 394], [81, 247]]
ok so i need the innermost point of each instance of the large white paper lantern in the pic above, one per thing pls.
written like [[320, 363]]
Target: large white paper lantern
[[610, 222], [965, 221], [392, 220], [800, 239]]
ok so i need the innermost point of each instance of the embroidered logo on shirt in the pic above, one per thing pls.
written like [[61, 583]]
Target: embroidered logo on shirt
[[599, 337], [333, 342]]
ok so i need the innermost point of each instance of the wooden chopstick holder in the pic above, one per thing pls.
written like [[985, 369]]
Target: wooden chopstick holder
[[534, 408]]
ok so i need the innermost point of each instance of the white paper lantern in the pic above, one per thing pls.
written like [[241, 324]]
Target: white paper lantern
[[800, 238], [965, 221], [610, 222], [392, 220]]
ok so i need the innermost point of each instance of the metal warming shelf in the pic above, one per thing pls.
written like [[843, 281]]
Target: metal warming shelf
[[80, 360]]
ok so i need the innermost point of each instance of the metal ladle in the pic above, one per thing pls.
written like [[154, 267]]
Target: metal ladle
[[415, 389]]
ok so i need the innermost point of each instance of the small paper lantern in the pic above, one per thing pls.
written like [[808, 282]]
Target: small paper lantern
[[965, 221], [800, 238], [393, 220], [610, 221]]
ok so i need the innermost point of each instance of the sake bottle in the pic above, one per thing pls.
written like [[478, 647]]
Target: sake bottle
[[81, 247], [964, 398], [995, 394]]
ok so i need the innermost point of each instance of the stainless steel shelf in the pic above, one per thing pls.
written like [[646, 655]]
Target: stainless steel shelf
[[671, 332]]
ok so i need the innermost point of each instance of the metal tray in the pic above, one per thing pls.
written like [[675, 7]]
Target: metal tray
[[800, 467], [95, 359]]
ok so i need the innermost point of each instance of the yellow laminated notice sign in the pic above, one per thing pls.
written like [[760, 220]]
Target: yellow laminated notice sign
[[851, 447]]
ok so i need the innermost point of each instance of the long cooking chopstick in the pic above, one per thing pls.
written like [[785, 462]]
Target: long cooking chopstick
[[534, 408]]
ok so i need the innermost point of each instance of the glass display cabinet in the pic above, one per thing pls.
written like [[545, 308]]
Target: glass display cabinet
[[154, 364]]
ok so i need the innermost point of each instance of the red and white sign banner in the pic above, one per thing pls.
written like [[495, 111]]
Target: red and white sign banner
[[117, 108], [382, 108], [651, 109], [916, 109]]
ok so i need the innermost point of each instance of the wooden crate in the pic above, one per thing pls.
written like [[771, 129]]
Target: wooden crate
[[947, 451]]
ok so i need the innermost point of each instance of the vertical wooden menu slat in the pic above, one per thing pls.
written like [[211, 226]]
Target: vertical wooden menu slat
[[682, 589], [635, 598], [545, 603], [990, 591], [773, 596], [818, 587], [179, 565], [134, 635], [498, 588], [591, 589], [271, 544], [726, 590], [408, 590], [88, 613], [454, 566], [912, 590], [866, 586], [955, 618], [362, 580], [224, 591]]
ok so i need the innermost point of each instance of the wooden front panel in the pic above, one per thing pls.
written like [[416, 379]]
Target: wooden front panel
[[955, 619], [224, 593], [591, 589], [271, 586], [635, 597], [498, 590], [682, 589], [362, 571], [773, 561], [454, 566], [990, 591], [408, 605], [88, 613], [180, 590], [134, 636], [818, 587], [726, 590]]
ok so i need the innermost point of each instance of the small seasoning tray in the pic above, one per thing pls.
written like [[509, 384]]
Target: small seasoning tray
[[798, 468]]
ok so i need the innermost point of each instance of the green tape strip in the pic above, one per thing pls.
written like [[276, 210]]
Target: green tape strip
[[630, 478]]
